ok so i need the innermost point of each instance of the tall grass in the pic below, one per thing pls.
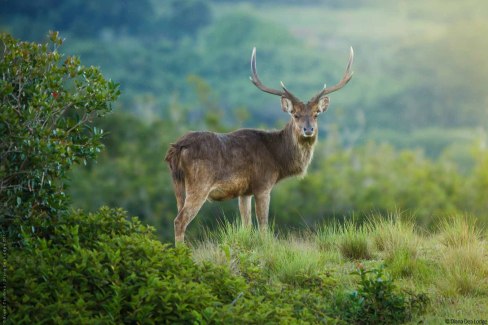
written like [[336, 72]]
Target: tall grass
[[451, 263], [350, 239], [353, 241], [398, 242], [285, 258], [464, 257], [459, 231], [393, 234], [465, 271]]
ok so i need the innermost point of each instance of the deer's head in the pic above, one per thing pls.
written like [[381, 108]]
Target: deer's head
[[303, 115]]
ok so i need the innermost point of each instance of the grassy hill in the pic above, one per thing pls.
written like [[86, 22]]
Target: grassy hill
[[449, 266]]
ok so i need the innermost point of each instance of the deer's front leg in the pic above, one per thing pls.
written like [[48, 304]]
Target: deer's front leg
[[245, 210], [262, 208]]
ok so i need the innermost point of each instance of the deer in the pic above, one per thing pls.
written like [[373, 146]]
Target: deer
[[246, 163]]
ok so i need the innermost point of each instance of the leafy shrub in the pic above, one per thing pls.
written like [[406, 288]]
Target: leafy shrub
[[101, 268], [303, 300], [46, 106], [377, 301]]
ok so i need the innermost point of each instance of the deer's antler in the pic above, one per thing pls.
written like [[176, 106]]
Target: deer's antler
[[345, 79], [255, 80]]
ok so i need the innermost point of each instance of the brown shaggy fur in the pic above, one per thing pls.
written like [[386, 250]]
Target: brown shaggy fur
[[244, 163]]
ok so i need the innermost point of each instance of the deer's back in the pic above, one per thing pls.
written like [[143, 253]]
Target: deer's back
[[233, 163]]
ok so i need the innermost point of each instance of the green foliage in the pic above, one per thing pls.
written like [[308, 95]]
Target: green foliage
[[186, 17], [47, 105], [476, 199], [102, 268], [136, 150], [151, 48], [377, 300]]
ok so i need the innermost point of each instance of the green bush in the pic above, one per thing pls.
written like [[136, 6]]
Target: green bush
[[47, 104], [102, 268], [377, 301]]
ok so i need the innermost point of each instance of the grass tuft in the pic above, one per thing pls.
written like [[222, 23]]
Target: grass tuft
[[401, 264], [465, 270], [350, 239], [353, 242], [394, 236], [459, 231], [327, 236]]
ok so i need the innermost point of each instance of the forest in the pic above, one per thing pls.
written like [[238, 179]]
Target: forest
[[93, 94]]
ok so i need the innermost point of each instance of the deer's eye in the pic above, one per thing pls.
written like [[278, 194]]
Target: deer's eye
[[296, 116], [316, 115]]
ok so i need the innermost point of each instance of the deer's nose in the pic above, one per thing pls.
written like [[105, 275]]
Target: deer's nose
[[308, 131]]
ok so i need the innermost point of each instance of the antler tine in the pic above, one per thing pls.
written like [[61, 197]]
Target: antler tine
[[288, 93], [345, 79], [255, 80]]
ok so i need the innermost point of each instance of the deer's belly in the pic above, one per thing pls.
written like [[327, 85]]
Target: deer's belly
[[229, 189]]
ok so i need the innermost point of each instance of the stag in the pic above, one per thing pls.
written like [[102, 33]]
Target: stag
[[247, 162]]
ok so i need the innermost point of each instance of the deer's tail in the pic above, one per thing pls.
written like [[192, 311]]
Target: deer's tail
[[173, 159]]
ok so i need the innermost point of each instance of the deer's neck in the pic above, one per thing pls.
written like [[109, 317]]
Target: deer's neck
[[294, 153]]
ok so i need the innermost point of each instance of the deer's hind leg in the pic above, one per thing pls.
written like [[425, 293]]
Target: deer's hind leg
[[197, 191], [179, 187], [190, 208]]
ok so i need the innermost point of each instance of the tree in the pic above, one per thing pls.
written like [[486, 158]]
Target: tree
[[47, 104]]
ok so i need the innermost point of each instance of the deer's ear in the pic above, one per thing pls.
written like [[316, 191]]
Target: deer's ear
[[286, 105], [323, 103]]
